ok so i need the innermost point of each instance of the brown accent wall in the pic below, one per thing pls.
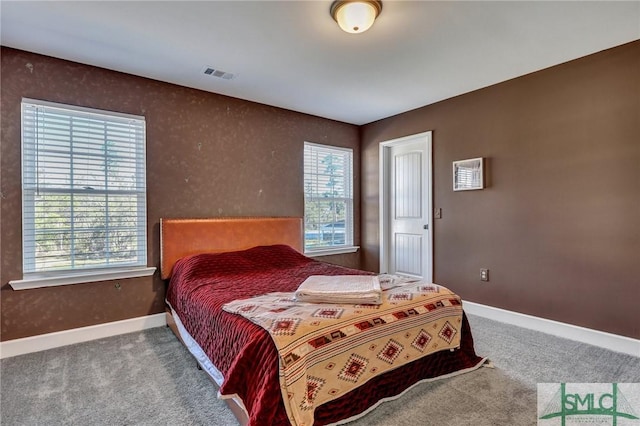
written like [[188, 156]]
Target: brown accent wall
[[559, 224], [207, 155]]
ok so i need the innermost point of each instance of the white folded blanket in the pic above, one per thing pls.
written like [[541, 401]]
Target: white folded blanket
[[347, 289]]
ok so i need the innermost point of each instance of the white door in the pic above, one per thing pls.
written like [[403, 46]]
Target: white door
[[406, 203]]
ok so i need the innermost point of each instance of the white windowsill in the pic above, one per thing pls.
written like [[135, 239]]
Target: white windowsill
[[331, 251], [81, 277]]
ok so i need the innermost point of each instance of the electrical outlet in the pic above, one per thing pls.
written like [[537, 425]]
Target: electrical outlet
[[484, 275]]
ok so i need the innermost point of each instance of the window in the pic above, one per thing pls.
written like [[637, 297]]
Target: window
[[83, 189], [328, 198]]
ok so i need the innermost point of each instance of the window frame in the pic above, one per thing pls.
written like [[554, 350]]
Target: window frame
[[33, 277], [348, 198]]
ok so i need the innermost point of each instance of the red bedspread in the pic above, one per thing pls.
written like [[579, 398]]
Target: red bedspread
[[244, 352]]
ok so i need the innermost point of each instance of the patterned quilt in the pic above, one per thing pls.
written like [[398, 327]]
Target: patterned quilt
[[245, 353], [326, 351]]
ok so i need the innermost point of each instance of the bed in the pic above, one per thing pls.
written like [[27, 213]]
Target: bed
[[210, 263]]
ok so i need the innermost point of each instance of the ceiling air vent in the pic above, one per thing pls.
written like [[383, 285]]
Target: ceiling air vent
[[217, 73]]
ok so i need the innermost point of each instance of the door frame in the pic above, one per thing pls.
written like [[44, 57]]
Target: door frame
[[384, 228]]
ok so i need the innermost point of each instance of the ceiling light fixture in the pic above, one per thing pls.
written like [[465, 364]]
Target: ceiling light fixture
[[355, 16]]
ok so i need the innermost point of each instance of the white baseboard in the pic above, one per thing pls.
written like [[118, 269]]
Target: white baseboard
[[42, 342], [602, 339]]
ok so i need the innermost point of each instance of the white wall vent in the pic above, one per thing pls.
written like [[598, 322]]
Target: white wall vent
[[217, 73]]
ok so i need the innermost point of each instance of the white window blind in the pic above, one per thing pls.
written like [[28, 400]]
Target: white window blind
[[328, 197], [84, 188]]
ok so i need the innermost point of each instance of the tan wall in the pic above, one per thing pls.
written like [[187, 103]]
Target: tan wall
[[559, 224], [207, 155]]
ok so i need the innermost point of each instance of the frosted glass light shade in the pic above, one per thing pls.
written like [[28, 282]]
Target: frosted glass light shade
[[355, 16]]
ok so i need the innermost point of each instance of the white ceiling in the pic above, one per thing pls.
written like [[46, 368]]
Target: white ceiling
[[291, 54]]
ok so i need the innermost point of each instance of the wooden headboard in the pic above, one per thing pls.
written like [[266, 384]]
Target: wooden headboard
[[185, 237]]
